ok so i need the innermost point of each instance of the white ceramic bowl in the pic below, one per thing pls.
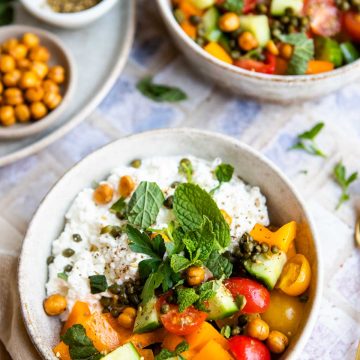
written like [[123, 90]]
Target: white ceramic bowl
[[274, 88], [41, 10], [60, 55], [283, 202]]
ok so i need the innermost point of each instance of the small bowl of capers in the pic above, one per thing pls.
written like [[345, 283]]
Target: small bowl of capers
[[36, 83]]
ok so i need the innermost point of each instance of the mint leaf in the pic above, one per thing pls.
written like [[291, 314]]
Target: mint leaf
[[145, 204], [303, 52], [98, 284], [179, 263], [80, 345], [186, 297], [219, 265], [344, 182], [192, 204], [160, 93], [233, 5], [166, 354]]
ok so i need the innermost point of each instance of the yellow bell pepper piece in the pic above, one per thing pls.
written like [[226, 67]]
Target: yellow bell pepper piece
[[217, 51], [282, 238], [212, 350]]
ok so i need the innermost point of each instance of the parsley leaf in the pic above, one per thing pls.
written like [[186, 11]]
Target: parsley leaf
[[148, 266], [223, 173], [186, 297], [303, 52], [80, 345], [233, 5], [306, 141], [160, 93], [152, 283], [145, 204], [344, 182], [98, 284], [192, 204], [119, 207], [219, 265], [166, 354]]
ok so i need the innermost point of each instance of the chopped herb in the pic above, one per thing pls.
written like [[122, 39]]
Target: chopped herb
[[119, 207], [223, 173], [306, 141], [233, 5], [226, 331], [166, 354], [344, 182], [63, 276], [186, 169], [186, 297], [98, 284], [219, 265], [160, 93]]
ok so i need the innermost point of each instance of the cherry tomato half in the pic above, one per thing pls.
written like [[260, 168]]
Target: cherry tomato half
[[247, 348], [180, 323], [352, 25], [325, 19], [256, 295], [267, 67]]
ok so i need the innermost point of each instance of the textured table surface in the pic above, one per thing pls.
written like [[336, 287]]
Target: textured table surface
[[270, 129]]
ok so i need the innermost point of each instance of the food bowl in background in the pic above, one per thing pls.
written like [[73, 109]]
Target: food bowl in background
[[275, 88], [283, 204]]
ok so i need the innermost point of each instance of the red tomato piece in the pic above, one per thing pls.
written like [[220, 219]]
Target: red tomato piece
[[352, 25], [325, 19], [246, 348], [256, 295], [180, 323]]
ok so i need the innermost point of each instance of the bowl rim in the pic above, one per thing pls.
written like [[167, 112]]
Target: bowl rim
[[165, 10], [25, 130], [313, 313]]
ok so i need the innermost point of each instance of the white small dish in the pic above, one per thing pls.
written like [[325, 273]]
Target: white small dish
[[59, 56], [41, 10]]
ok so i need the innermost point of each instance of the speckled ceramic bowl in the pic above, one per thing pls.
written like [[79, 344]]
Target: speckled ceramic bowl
[[284, 205], [275, 88]]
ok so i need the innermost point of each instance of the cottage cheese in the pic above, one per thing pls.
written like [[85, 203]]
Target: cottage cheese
[[102, 254]]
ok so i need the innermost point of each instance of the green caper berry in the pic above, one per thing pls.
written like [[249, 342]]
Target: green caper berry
[[77, 238], [136, 163], [264, 247], [285, 19], [50, 260], [274, 249], [115, 289], [134, 299], [242, 320], [165, 308], [115, 312], [236, 331], [289, 11], [235, 54], [68, 252], [185, 162], [169, 202], [68, 268], [105, 301], [123, 298], [248, 247], [195, 20]]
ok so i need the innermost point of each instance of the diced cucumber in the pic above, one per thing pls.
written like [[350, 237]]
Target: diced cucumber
[[127, 351], [267, 268], [147, 318], [258, 25], [222, 305], [350, 52], [328, 50], [278, 7], [210, 23], [203, 4]]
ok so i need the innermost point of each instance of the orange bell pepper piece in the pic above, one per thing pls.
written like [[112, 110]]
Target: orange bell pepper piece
[[282, 238], [319, 66], [189, 29], [171, 341], [292, 250], [78, 315], [146, 354], [217, 51], [212, 350], [61, 351], [189, 9], [281, 66], [144, 340]]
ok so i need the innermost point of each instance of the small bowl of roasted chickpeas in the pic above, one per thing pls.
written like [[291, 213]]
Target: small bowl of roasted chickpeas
[[37, 80]]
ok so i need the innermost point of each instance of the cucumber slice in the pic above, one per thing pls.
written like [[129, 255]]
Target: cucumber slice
[[222, 305], [278, 7], [350, 52], [328, 50], [127, 351], [258, 25], [203, 4], [210, 22], [267, 268], [147, 318]]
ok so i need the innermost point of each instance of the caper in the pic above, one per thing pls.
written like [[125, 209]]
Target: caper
[[123, 298], [304, 21], [136, 163], [68, 252], [115, 312], [261, 8], [242, 320], [258, 249], [50, 260], [276, 24], [264, 247], [129, 288], [105, 301], [253, 258], [289, 11], [291, 29], [165, 308], [68, 268], [295, 21], [195, 20], [134, 299], [249, 247], [115, 289], [285, 19], [169, 202], [274, 249], [77, 237], [236, 331]]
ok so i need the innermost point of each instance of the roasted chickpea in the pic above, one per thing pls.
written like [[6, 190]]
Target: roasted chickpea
[[22, 113], [18, 52], [30, 40], [55, 305], [28, 80], [277, 342], [39, 53], [12, 78], [34, 94], [229, 22], [7, 115], [38, 110], [258, 329], [13, 96], [247, 41], [50, 86], [286, 51], [57, 74], [40, 69], [195, 275], [103, 194], [23, 64], [126, 186], [9, 44], [52, 100], [126, 321], [130, 311], [7, 63], [226, 216], [272, 48]]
